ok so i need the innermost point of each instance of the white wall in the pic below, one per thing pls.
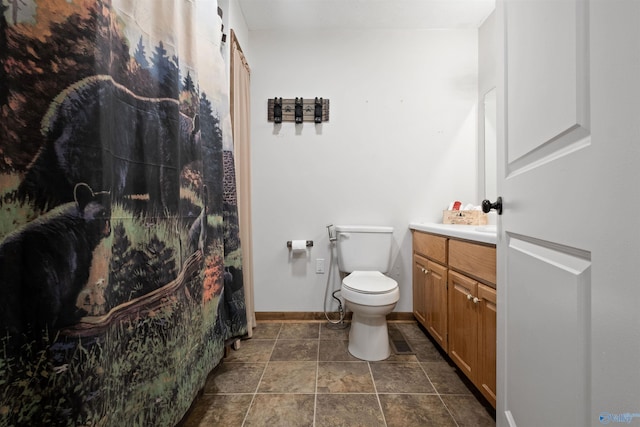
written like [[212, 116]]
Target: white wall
[[399, 145], [487, 80], [487, 51], [237, 23]]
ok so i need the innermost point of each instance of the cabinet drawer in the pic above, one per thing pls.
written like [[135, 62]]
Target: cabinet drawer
[[431, 246], [475, 260]]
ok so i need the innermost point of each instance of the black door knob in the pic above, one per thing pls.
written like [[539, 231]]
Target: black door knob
[[487, 206]]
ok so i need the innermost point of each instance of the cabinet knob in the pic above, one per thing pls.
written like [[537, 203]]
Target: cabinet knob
[[472, 298]]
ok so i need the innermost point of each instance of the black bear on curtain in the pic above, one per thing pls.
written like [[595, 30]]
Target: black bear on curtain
[[45, 265], [99, 132]]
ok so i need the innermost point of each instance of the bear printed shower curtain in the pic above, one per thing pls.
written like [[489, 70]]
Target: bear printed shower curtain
[[120, 266]]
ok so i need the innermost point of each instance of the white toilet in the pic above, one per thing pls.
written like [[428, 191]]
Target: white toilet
[[365, 253]]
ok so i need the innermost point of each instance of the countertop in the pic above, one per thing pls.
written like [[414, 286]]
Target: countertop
[[478, 233]]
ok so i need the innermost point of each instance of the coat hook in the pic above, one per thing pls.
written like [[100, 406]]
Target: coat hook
[[298, 110], [317, 117], [277, 110]]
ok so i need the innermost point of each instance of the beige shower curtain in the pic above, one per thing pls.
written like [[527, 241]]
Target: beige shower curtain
[[241, 125]]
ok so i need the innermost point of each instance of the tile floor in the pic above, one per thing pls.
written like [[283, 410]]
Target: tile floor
[[301, 374]]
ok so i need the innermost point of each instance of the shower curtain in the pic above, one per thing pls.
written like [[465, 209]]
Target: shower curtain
[[120, 261], [240, 103]]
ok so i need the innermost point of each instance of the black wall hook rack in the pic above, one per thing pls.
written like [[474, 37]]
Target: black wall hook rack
[[309, 110]]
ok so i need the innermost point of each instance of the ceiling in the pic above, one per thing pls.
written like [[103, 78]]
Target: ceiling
[[364, 14]]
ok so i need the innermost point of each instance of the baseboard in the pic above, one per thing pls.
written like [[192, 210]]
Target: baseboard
[[319, 316]]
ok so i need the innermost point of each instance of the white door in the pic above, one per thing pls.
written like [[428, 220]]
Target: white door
[[569, 235]]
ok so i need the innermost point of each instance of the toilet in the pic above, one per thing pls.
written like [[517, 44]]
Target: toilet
[[364, 253]]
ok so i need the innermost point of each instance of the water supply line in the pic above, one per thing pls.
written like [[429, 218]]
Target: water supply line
[[341, 311]]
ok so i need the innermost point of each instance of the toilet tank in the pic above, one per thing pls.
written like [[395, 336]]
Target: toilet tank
[[363, 248]]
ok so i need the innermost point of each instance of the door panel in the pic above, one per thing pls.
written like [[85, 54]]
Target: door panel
[[550, 344], [543, 336], [568, 264], [546, 53]]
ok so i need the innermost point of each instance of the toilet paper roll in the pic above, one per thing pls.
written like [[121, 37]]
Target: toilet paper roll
[[298, 245]]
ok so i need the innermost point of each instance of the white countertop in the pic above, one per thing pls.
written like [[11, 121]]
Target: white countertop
[[478, 233]]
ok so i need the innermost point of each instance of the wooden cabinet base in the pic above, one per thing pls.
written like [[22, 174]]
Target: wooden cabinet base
[[454, 303]]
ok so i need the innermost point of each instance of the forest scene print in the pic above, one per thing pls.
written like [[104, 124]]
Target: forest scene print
[[120, 262]]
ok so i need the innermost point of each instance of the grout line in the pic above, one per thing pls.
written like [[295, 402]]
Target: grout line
[[375, 389], [275, 341], [279, 332], [315, 394], [437, 393], [449, 411]]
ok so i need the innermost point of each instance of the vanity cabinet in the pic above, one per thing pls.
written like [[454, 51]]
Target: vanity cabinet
[[430, 298], [455, 300], [430, 285], [472, 331]]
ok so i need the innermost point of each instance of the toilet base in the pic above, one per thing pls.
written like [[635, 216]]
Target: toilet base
[[369, 336]]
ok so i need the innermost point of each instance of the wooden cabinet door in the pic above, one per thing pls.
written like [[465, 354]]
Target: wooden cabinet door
[[486, 379], [436, 294], [463, 323], [419, 289]]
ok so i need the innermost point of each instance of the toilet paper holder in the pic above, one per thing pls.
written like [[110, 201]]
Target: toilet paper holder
[[309, 243]]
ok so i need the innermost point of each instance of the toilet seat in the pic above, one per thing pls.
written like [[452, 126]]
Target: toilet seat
[[369, 282], [370, 288]]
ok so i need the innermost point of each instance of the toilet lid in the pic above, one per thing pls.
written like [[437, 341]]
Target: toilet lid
[[369, 282]]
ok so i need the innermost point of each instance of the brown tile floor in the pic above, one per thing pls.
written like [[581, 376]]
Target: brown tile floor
[[301, 374]]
